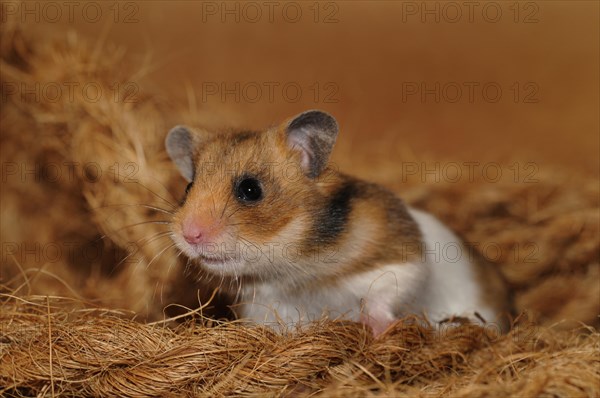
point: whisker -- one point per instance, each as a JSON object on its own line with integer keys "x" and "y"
{"x": 125, "y": 258}
{"x": 157, "y": 195}
{"x": 159, "y": 254}
{"x": 212, "y": 196}
{"x": 239, "y": 290}
{"x": 225, "y": 207}
{"x": 154, "y": 237}
{"x": 140, "y": 243}
{"x": 170, "y": 212}
{"x": 235, "y": 211}
{"x": 159, "y": 222}
{"x": 285, "y": 271}
{"x": 258, "y": 226}
{"x": 175, "y": 260}
{"x": 164, "y": 187}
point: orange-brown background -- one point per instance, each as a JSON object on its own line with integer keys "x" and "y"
{"x": 368, "y": 51}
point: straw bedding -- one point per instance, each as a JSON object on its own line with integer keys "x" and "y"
{"x": 93, "y": 320}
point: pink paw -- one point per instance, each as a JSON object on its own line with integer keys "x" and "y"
{"x": 378, "y": 319}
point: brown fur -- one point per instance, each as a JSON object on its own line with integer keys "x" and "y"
{"x": 222, "y": 159}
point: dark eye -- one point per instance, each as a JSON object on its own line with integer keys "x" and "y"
{"x": 189, "y": 186}
{"x": 249, "y": 190}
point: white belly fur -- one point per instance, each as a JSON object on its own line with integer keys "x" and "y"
{"x": 442, "y": 284}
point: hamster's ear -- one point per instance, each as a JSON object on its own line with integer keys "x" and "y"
{"x": 180, "y": 147}
{"x": 313, "y": 134}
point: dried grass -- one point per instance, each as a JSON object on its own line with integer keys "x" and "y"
{"x": 48, "y": 344}
{"x": 78, "y": 346}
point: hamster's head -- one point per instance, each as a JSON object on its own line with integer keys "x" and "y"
{"x": 252, "y": 196}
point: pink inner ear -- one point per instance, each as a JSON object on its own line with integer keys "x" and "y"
{"x": 297, "y": 143}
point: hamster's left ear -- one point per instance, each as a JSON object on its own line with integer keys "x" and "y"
{"x": 180, "y": 147}
{"x": 313, "y": 134}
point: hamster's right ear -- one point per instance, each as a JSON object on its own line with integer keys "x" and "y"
{"x": 180, "y": 147}
{"x": 313, "y": 134}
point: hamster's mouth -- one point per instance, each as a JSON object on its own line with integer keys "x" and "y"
{"x": 205, "y": 255}
{"x": 212, "y": 260}
{"x": 227, "y": 262}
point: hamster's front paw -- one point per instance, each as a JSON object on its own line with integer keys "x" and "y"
{"x": 378, "y": 316}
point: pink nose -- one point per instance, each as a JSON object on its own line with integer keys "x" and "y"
{"x": 193, "y": 233}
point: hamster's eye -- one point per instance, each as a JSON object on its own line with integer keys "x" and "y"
{"x": 249, "y": 190}
{"x": 189, "y": 186}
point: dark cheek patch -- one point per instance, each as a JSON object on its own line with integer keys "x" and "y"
{"x": 332, "y": 221}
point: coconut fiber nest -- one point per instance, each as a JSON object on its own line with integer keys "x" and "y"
{"x": 95, "y": 303}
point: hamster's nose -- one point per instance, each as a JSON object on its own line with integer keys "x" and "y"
{"x": 192, "y": 232}
{"x": 197, "y": 229}
{"x": 192, "y": 237}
